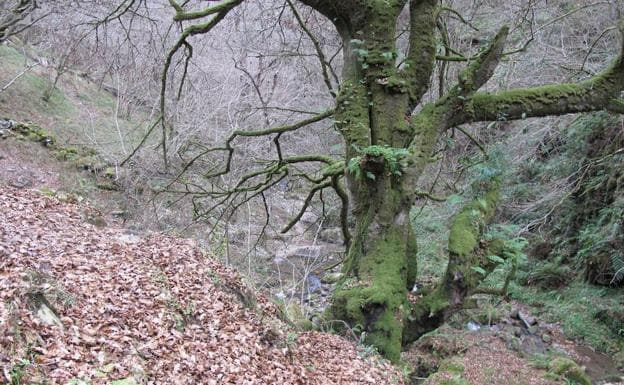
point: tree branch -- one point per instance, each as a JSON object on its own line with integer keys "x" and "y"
{"x": 220, "y": 11}
{"x": 182, "y": 15}
{"x": 287, "y": 128}
{"x": 482, "y": 68}
{"x": 418, "y": 66}
{"x": 305, "y": 206}
{"x": 599, "y": 92}
{"x": 317, "y": 47}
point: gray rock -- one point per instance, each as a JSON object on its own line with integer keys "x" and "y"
{"x": 6, "y": 124}
{"x": 531, "y": 344}
{"x": 527, "y": 319}
{"x": 314, "y": 283}
{"x": 299, "y": 251}
{"x": 129, "y": 238}
{"x": 47, "y": 316}
{"x": 331, "y": 277}
{"x": 21, "y": 182}
{"x": 473, "y": 326}
{"x": 333, "y": 235}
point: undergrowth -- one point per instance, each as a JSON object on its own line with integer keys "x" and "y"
{"x": 576, "y": 307}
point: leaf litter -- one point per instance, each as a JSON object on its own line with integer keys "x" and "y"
{"x": 152, "y": 310}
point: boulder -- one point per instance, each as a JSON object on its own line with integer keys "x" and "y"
{"x": 332, "y": 235}
{"x": 300, "y": 251}
{"x": 6, "y": 124}
{"x": 527, "y": 319}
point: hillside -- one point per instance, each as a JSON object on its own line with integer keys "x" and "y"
{"x": 89, "y": 305}
{"x": 273, "y": 221}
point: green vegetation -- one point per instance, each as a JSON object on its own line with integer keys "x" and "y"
{"x": 393, "y": 159}
{"x": 584, "y": 223}
{"x": 449, "y": 373}
{"x": 561, "y": 368}
{"x": 389, "y": 144}
{"x": 17, "y": 372}
{"x": 576, "y": 308}
{"x": 84, "y": 116}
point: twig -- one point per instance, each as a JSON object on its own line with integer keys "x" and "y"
{"x": 10, "y": 83}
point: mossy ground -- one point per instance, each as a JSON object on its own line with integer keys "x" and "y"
{"x": 576, "y": 308}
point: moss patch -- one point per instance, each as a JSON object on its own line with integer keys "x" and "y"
{"x": 564, "y": 368}
{"x": 375, "y": 303}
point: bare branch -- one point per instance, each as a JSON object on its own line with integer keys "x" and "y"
{"x": 287, "y": 128}
{"x": 317, "y": 46}
{"x": 305, "y": 206}
{"x": 182, "y": 15}
{"x": 219, "y": 12}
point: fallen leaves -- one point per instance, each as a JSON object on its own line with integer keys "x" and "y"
{"x": 151, "y": 310}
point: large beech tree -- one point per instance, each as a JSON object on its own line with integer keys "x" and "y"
{"x": 389, "y": 137}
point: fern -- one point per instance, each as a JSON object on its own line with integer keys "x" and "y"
{"x": 617, "y": 264}
{"x": 394, "y": 159}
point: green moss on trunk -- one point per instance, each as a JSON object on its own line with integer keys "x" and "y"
{"x": 466, "y": 267}
{"x": 374, "y": 301}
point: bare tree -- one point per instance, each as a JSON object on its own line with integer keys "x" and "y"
{"x": 15, "y": 17}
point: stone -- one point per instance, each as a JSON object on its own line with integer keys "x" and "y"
{"x": 546, "y": 338}
{"x": 44, "y": 310}
{"x": 21, "y": 182}
{"x": 4, "y": 133}
{"x": 129, "y": 238}
{"x": 333, "y": 235}
{"x": 6, "y": 124}
{"x": 531, "y": 344}
{"x": 332, "y": 277}
{"x": 313, "y": 283}
{"x": 299, "y": 251}
{"x": 527, "y": 319}
{"x": 47, "y": 316}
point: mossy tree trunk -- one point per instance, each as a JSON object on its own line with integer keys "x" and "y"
{"x": 371, "y": 111}
{"x": 374, "y": 108}
{"x": 375, "y": 111}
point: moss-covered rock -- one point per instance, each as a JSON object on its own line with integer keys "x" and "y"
{"x": 34, "y": 133}
{"x": 66, "y": 153}
{"x": 449, "y": 373}
{"x": 564, "y": 368}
